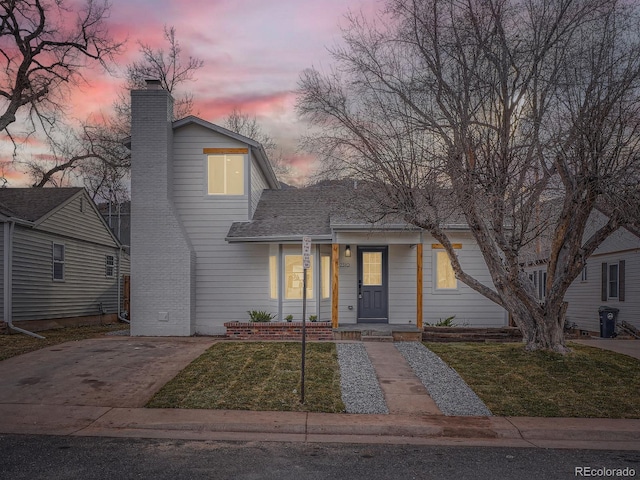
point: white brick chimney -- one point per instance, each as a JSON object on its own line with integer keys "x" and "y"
{"x": 162, "y": 258}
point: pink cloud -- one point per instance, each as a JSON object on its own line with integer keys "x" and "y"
{"x": 253, "y": 52}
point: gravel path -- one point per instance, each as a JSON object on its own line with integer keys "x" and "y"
{"x": 450, "y": 392}
{"x": 361, "y": 392}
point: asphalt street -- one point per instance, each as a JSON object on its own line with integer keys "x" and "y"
{"x": 53, "y": 457}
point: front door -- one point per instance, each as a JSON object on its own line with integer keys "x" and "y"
{"x": 372, "y": 285}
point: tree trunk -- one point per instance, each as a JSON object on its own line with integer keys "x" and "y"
{"x": 542, "y": 329}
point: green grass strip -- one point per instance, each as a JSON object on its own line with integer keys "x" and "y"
{"x": 256, "y": 376}
{"x": 588, "y": 382}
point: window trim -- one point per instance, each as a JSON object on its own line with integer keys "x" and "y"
{"x": 55, "y": 262}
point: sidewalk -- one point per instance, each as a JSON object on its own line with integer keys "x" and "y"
{"x": 226, "y": 425}
{"x": 96, "y": 388}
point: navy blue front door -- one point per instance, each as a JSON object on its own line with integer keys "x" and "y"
{"x": 372, "y": 285}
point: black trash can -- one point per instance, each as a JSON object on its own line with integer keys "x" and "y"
{"x": 608, "y": 319}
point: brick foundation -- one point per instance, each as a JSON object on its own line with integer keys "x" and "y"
{"x": 278, "y": 331}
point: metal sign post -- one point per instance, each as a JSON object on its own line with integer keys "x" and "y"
{"x": 306, "y": 264}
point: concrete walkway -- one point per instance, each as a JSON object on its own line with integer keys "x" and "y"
{"x": 626, "y": 347}
{"x": 403, "y": 391}
{"x": 96, "y": 387}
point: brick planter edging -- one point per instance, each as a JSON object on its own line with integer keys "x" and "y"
{"x": 278, "y": 330}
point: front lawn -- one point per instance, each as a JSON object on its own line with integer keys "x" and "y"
{"x": 589, "y": 382}
{"x": 19, "y": 343}
{"x": 256, "y": 376}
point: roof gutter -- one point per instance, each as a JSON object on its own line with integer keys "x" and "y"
{"x": 8, "y": 279}
{"x": 278, "y": 239}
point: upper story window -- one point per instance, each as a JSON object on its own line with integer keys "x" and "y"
{"x": 225, "y": 174}
{"x": 58, "y": 261}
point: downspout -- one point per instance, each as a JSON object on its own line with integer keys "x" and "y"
{"x": 120, "y": 317}
{"x": 8, "y": 280}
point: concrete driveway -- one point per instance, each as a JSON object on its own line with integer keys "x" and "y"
{"x": 108, "y": 372}
{"x": 626, "y": 347}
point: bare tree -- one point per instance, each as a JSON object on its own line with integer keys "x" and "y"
{"x": 169, "y": 67}
{"x": 96, "y": 155}
{"x": 487, "y": 110}
{"x": 244, "y": 124}
{"x": 44, "y": 45}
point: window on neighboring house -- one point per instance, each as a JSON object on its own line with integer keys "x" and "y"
{"x": 583, "y": 274}
{"x": 325, "y": 272}
{"x": 613, "y": 281}
{"x": 293, "y": 277}
{"x": 273, "y": 276}
{"x": 445, "y": 278}
{"x": 58, "y": 261}
{"x": 225, "y": 174}
{"x": 109, "y": 266}
{"x": 542, "y": 284}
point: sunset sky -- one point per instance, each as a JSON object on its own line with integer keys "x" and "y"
{"x": 253, "y": 53}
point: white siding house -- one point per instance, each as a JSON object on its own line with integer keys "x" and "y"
{"x": 610, "y": 278}
{"x": 214, "y": 236}
{"x": 60, "y": 263}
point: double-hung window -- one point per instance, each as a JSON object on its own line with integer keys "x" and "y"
{"x": 58, "y": 256}
{"x": 109, "y": 266}
{"x": 225, "y": 174}
{"x": 613, "y": 281}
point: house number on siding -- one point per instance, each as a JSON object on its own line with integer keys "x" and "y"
{"x": 345, "y": 265}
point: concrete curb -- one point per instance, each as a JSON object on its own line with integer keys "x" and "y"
{"x": 227, "y": 425}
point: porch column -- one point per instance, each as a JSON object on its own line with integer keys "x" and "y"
{"x": 335, "y": 267}
{"x": 419, "y": 280}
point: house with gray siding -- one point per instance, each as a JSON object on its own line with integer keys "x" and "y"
{"x": 610, "y": 278}
{"x": 60, "y": 263}
{"x": 213, "y": 236}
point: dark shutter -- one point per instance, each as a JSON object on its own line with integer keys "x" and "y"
{"x": 604, "y": 283}
{"x": 621, "y": 280}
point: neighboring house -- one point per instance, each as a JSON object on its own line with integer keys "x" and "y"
{"x": 118, "y": 217}
{"x": 60, "y": 263}
{"x": 214, "y": 235}
{"x": 610, "y": 278}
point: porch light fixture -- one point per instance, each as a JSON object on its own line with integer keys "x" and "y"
{"x": 347, "y": 251}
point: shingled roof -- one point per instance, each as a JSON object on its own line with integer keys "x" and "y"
{"x": 315, "y": 211}
{"x": 291, "y": 213}
{"x": 31, "y": 204}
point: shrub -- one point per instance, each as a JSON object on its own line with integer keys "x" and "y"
{"x": 313, "y": 318}
{"x": 260, "y": 316}
{"x": 447, "y": 322}
{"x": 289, "y": 318}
